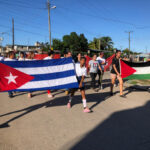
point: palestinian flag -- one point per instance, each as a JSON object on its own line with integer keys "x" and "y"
{"x": 132, "y": 70}
{"x": 108, "y": 62}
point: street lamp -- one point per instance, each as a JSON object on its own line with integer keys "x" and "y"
{"x": 53, "y": 7}
{"x": 49, "y": 21}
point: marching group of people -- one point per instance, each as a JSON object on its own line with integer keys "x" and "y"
{"x": 95, "y": 67}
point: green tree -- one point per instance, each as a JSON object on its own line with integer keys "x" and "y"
{"x": 83, "y": 43}
{"x": 103, "y": 43}
{"x": 127, "y": 51}
{"x": 57, "y": 44}
{"x": 94, "y": 44}
{"x": 45, "y": 46}
{"x": 75, "y": 42}
{"x": 106, "y": 43}
{"x": 66, "y": 41}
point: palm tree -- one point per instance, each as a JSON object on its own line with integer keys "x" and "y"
{"x": 94, "y": 44}
{"x": 106, "y": 43}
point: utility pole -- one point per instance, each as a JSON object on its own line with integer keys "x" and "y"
{"x": 99, "y": 44}
{"x": 129, "y": 32}
{"x": 49, "y": 21}
{"x": 146, "y": 50}
{"x": 1, "y": 46}
{"x": 13, "y": 36}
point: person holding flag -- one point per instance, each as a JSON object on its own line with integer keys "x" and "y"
{"x": 115, "y": 73}
{"x": 50, "y": 56}
{"x": 68, "y": 55}
{"x": 30, "y": 57}
{"x": 11, "y": 57}
{"x": 22, "y": 57}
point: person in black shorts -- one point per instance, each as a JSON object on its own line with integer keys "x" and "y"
{"x": 115, "y": 73}
{"x": 81, "y": 73}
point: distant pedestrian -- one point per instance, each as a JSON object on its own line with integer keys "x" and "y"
{"x": 22, "y": 56}
{"x": 78, "y": 58}
{"x": 68, "y": 55}
{"x": 30, "y": 57}
{"x": 94, "y": 66}
{"x": 11, "y": 57}
{"x": 49, "y": 57}
{"x": 102, "y": 63}
{"x": 1, "y": 57}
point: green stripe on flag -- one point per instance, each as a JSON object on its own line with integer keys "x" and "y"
{"x": 139, "y": 77}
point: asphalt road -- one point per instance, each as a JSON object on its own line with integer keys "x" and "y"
{"x": 41, "y": 123}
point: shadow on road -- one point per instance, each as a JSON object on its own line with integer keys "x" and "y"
{"x": 123, "y": 130}
{"x": 60, "y": 101}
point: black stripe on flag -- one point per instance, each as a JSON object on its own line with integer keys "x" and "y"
{"x": 139, "y": 64}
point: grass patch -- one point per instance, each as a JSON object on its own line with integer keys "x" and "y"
{"x": 139, "y": 82}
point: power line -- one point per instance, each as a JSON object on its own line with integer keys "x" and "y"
{"x": 18, "y": 29}
{"x": 104, "y": 18}
{"x": 20, "y": 5}
{"x": 25, "y": 21}
{"x": 20, "y": 13}
{"x": 99, "y": 17}
{"x": 72, "y": 22}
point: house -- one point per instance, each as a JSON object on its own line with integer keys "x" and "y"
{"x": 24, "y": 48}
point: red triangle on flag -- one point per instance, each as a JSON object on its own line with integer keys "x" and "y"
{"x": 126, "y": 70}
{"x": 11, "y": 79}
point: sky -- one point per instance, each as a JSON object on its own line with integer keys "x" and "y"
{"x": 94, "y": 18}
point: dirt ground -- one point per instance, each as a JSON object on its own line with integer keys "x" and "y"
{"x": 41, "y": 123}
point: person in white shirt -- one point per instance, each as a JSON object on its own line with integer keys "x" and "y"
{"x": 68, "y": 55}
{"x": 22, "y": 56}
{"x": 11, "y": 57}
{"x": 81, "y": 74}
{"x": 102, "y": 63}
{"x": 50, "y": 56}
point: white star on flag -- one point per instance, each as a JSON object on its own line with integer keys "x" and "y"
{"x": 11, "y": 78}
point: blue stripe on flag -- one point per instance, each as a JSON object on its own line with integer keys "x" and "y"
{"x": 37, "y": 63}
{"x": 65, "y": 86}
{"x": 51, "y": 76}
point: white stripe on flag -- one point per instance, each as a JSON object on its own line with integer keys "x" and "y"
{"x": 49, "y": 83}
{"x": 142, "y": 70}
{"x": 45, "y": 70}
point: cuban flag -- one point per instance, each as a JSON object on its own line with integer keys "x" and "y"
{"x": 37, "y": 75}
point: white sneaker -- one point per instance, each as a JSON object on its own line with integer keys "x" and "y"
{"x": 50, "y": 96}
